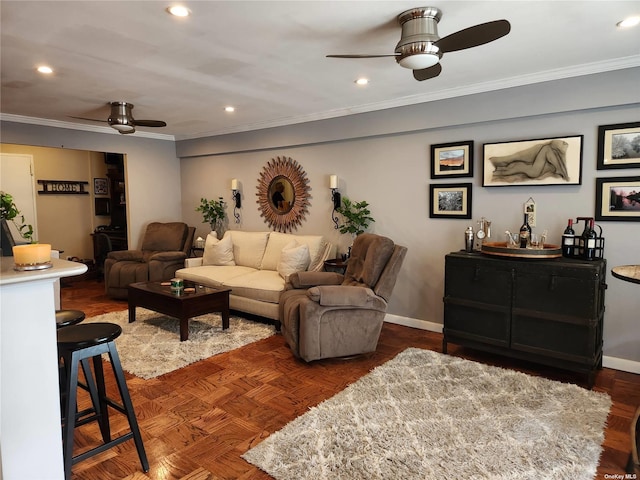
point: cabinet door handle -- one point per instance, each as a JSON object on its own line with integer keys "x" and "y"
{"x": 476, "y": 274}
{"x": 552, "y": 283}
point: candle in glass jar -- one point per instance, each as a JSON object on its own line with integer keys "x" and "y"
{"x": 32, "y": 254}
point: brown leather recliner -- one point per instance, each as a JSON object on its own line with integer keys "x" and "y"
{"x": 164, "y": 249}
{"x": 327, "y": 314}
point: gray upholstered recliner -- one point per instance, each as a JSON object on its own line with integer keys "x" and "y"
{"x": 327, "y": 314}
{"x": 164, "y": 249}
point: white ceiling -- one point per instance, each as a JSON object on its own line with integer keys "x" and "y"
{"x": 267, "y": 58}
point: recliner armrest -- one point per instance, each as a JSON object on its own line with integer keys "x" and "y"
{"x": 129, "y": 255}
{"x": 313, "y": 279}
{"x": 342, "y": 296}
{"x": 168, "y": 256}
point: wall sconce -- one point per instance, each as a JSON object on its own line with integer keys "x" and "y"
{"x": 237, "y": 200}
{"x": 335, "y": 198}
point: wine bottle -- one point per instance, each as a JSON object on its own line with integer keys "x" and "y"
{"x": 590, "y": 242}
{"x": 583, "y": 236}
{"x": 568, "y": 240}
{"x": 525, "y": 232}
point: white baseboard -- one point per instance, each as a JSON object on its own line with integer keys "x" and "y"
{"x": 621, "y": 364}
{"x": 414, "y": 323}
{"x": 615, "y": 363}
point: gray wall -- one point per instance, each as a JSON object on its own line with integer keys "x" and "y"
{"x": 384, "y": 158}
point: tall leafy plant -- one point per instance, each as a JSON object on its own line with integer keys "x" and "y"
{"x": 357, "y": 216}
{"x": 9, "y": 212}
{"x": 213, "y": 213}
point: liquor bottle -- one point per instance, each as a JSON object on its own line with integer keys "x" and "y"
{"x": 590, "y": 242}
{"x": 525, "y": 232}
{"x": 568, "y": 240}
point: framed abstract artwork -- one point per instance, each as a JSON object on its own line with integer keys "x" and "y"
{"x": 619, "y": 146}
{"x": 452, "y": 160}
{"x": 450, "y": 200}
{"x": 618, "y": 198}
{"x": 544, "y": 161}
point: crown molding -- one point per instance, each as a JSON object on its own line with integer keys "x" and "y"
{"x": 517, "y": 81}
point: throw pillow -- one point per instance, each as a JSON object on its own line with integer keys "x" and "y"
{"x": 218, "y": 252}
{"x": 294, "y": 258}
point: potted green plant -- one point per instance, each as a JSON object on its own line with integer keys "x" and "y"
{"x": 9, "y": 212}
{"x": 213, "y": 213}
{"x": 356, "y": 216}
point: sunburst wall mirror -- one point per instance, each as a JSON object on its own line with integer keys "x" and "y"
{"x": 283, "y": 194}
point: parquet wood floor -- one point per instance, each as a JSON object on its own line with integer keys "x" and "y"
{"x": 197, "y": 421}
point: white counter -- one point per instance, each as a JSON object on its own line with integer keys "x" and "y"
{"x": 30, "y": 434}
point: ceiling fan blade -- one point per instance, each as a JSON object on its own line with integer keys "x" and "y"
{"x": 149, "y": 123}
{"x": 474, "y": 36}
{"x": 362, "y": 56}
{"x": 90, "y": 119}
{"x": 427, "y": 73}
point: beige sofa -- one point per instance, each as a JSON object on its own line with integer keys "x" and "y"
{"x": 256, "y": 265}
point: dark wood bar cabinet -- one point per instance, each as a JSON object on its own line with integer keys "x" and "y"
{"x": 547, "y": 311}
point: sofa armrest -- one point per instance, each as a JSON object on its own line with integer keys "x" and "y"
{"x": 342, "y": 296}
{"x": 313, "y": 279}
{"x": 129, "y": 255}
{"x": 168, "y": 256}
{"x": 193, "y": 262}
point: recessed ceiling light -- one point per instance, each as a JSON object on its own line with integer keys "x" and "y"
{"x": 362, "y": 81}
{"x": 229, "y": 109}
{"x": 45, "y": 69}
{"x": 628, "y": 22}
{"x": 179, "y": 11}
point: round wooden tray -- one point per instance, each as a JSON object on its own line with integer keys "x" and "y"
{"x": 500, "y": 249}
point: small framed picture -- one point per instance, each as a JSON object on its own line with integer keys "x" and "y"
{"x": 619, "y": 146}
{"x": 452, "y": 160}
{"x": 100, "y": 186}
{"x": 618, "y": 199}
{"x": 544, "y": 161}
{"x": 450, "y": 200}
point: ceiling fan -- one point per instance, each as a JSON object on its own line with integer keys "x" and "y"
{"x": 420, "y": 48}
{"x": 122, "y": 119}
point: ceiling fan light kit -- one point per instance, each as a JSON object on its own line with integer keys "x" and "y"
{"x": 416, "y": 49}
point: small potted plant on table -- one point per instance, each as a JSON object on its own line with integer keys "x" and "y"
{"x": 357, "y": 218}
{"x": 213, "y": 213}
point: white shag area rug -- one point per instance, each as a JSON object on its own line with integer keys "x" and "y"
{"x": 151, "y": 345}
{"x": 426, "y": 415}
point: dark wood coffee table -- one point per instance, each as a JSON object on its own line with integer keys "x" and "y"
{"x": 183, "y": 306}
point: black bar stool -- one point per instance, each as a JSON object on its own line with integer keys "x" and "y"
{"x": 65, "y": 318}
{"x": 89, "y": 341}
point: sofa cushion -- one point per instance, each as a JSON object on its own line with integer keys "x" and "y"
{"x": 261, "y": 285}
{"x": 318, "y": 249}
{"x": 293, "y": 258}
{"x": 213, "y": 275}
{"x": 248, "y": 247}
{"x": 218, "y": 252}
{"x": 165, "y": 236}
